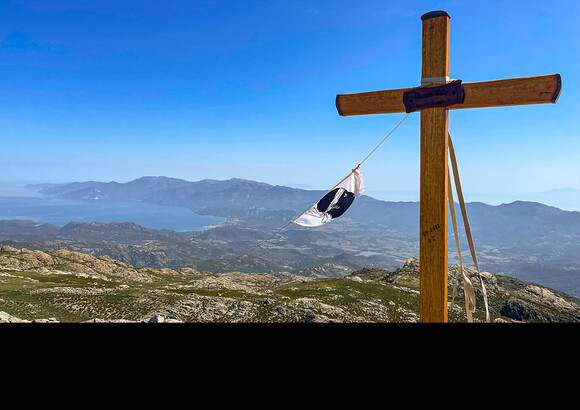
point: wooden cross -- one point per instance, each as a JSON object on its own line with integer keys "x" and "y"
{"x": 434, "y": 104}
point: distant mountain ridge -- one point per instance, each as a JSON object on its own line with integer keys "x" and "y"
{"x": 528, "y": 240}
{"x": 177, "y": 192}
{"x": 513, "y": 221}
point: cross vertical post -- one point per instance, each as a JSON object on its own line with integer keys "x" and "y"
{"x": 434, "y": 174}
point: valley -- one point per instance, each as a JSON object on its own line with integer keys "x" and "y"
{"x": 526, "y": 240}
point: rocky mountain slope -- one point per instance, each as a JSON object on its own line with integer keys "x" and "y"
{"x": 65, "y": 286}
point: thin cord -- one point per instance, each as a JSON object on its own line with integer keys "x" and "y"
{"x": 357, "y": 167}
{"x": 266, "y": 240}
{"x": 384, "y": 139}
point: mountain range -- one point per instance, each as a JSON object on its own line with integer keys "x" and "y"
{"x": 527, "y": 240}
{"x": 514, "y": 222}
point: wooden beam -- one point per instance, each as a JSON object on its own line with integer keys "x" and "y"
{"x": 372, "y": 102}
{"x": 514, "y": 91}
{"x": 497, "y": 93}
{"x": 434, "y": 177}
{"x": 433, "y": 215}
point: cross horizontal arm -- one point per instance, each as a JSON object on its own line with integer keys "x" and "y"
{"x": 512, "y": 91}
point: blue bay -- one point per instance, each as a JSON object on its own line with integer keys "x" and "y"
{"x": 60, "y": 212}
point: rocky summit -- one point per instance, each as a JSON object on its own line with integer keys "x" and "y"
{"x": 65, "y": 286}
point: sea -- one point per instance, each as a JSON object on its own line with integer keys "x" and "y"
{"x": 59, "y": 211}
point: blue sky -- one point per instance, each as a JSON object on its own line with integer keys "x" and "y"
{"x": 115, "y": 90}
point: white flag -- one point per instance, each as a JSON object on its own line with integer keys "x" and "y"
{"x": 334, "y": 203}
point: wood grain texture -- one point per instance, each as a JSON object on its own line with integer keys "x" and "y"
{"x": 373, "y": 102}
{"x": 433, "y": 215}
{"x": 435, "y": 49}
{"x": 511, "y": 91}
{"x": 434, "y": 179}
{"x": 497, "y": 93}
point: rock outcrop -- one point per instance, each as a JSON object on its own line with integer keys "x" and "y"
{"x": 64, "y": 286}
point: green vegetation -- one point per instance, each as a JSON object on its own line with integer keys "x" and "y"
{"x": 74, "y": 287}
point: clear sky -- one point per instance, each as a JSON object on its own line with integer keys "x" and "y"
{"x": 114, "y": 90}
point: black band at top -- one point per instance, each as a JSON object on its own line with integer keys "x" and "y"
{"x": 337, "y": 106}
{"x": 437, "y": 13}
{"x": 558, "y": 88}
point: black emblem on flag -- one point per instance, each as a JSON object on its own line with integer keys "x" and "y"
{"x": 336, "y": 202}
